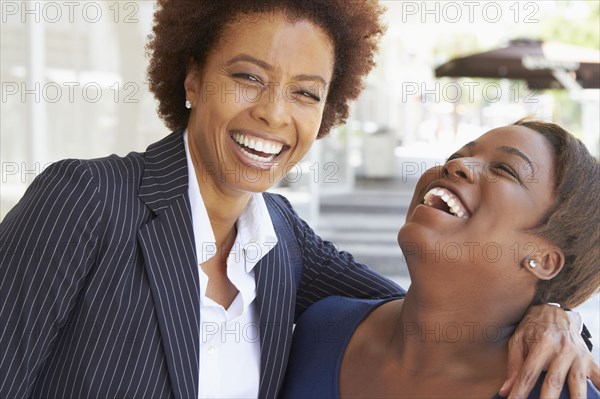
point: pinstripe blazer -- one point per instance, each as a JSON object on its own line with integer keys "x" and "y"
{"x": 99, "y": 284}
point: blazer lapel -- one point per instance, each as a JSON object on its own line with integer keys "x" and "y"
{"x": 168, "y": 247}
{"x": 275, "y": 296}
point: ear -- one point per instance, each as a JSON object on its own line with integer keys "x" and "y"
{"x": 192, "y": 83}
{"x": 548, "y": 263}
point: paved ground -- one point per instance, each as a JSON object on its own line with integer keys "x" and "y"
{"x": 366, "y": 222}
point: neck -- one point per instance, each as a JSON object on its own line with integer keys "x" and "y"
{"x": 223, "y": 205}
{"x": 223, "y": 212}
{"x": 433, "y": 332}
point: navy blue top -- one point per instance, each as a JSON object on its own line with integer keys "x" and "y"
{"x": 320, "y": 340}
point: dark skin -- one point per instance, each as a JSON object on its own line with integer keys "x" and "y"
{"x": 220, "y": 289}
{"x": 396, "y": 352}
{"x": 370, "y": 367}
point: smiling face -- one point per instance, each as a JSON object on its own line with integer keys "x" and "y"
{"x": 477, "y": 209}
{"x": 499, "y": 184}
{"x": 258, "y": 102}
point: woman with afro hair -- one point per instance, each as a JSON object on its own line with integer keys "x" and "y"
{"x": 172, "y": 273}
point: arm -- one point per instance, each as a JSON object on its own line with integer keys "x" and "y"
{"x": 47, "y": 243}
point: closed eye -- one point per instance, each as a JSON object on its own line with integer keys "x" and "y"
{"x": 505, "y": 168}
{"x": 310, "y": 95}
{"x": 247, "y": 76}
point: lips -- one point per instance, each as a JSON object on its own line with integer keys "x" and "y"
{"x": 256, "y": 148}
{"x": 445, "y": 200}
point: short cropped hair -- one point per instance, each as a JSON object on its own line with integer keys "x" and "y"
{"x": 185, "y": 30}
{"x": 573, "y": 222}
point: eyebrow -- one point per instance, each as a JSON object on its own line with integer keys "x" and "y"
{"x": 269, "y": 67}
{"x": 509, "y": 150}
{"x": 514, "y": 151}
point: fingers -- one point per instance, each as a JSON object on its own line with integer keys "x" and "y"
{"x": 532, "y": 367}
{"x": 516, "y": 355}
{"x": 556, "y": 376}
{"x": 578, "y": 379}
{"x": 568, "y": 362}
{"x": 545, "y": 338}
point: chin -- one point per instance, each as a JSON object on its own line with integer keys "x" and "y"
{"x": 254, "y": 187}
{"x": 407, "y": 239}
{"x": 255, "y": 180}
{"x": 414, "y": 233}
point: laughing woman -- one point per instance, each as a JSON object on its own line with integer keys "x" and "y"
{"x": 168, "y": 273}
{"x": 529, "y": 192}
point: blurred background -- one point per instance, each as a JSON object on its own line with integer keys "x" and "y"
{"x": 73, "y": 86}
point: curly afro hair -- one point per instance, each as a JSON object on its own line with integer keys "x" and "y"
{"x": 187, "y": 30}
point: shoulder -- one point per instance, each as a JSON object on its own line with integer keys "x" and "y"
{"x": 61, "y": 185}
{"x": 118, "y": 168}
{"x": 107, "y": 179}
{"x": 95, "y": 171}
{"x": 284, "y": 217}
{"x": 116, "y": 171}
{"x": 77, "y": 190}
{"x": 278, "y": 203}
{"x": 339, "y": 308}
{"x": 320, "y": 340}
{"x": 334, "y": 319}
{"x": 68, "y": 189}
{"x": 286, "y": 220}
{"x": 329, "y": 323}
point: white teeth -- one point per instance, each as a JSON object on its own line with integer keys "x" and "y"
{"x": 268, "y": 147}
{"x": 454, "y": 204}
{"x": 256, "y": 157}
{"x": 272, "y": 148}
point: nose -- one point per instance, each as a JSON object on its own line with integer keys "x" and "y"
{"x": 272, "y": 108}
{"x": 461, "y": 168}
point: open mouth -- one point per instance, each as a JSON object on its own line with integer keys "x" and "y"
{"x": 446, "y": 201}
{"x": 257, "y": 149}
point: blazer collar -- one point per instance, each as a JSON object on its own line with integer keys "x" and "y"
{"x": 165, "y": 175}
